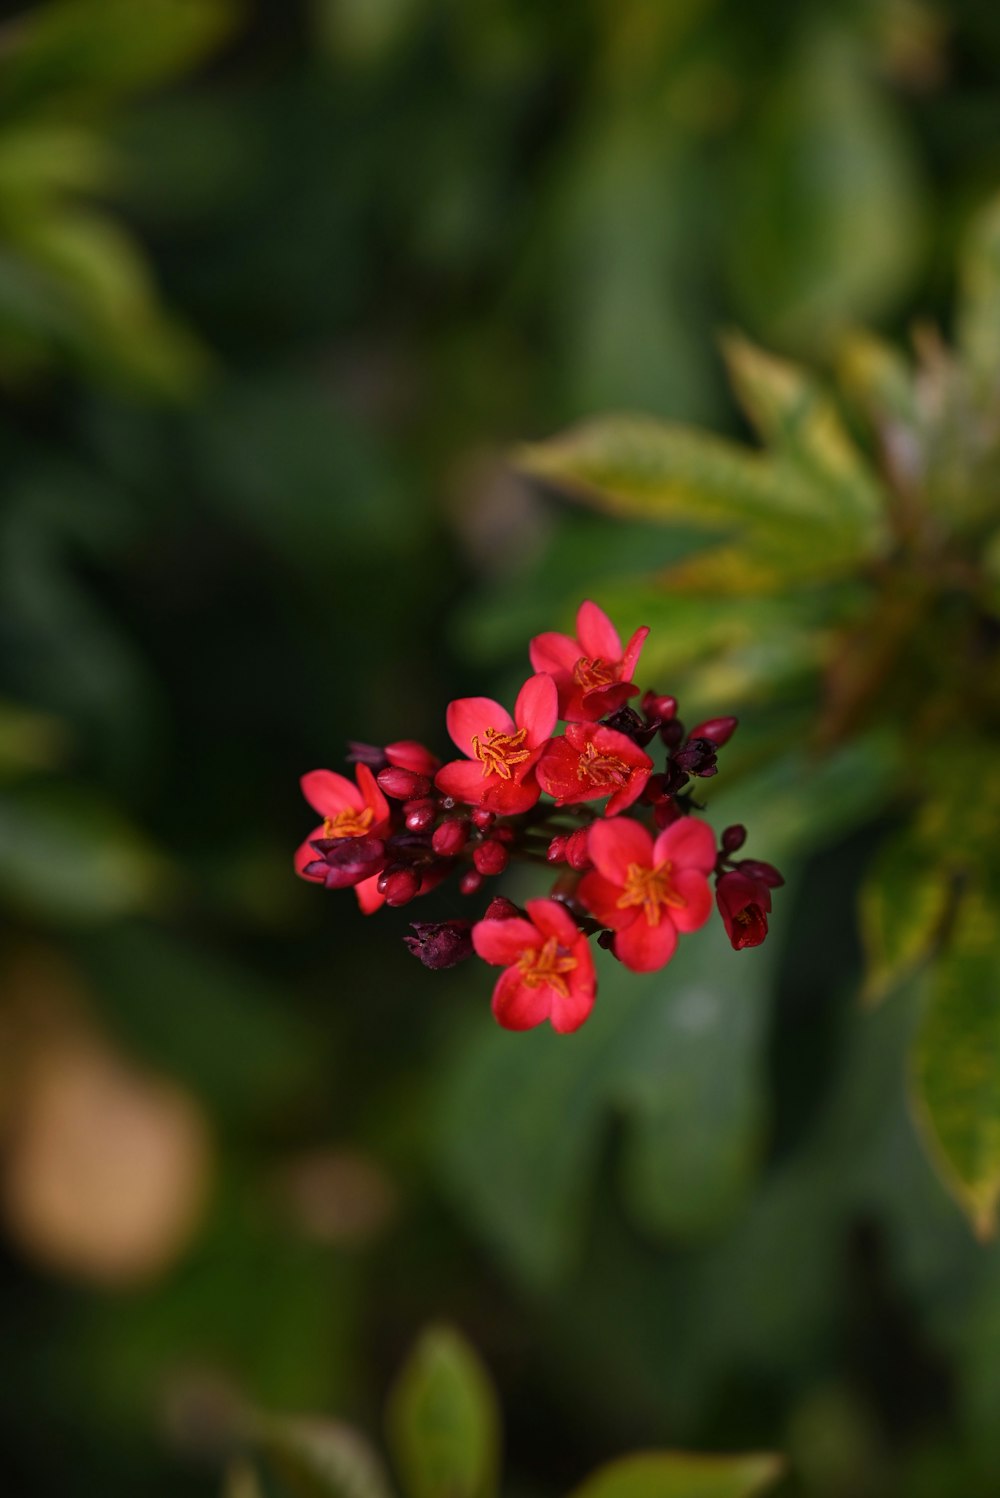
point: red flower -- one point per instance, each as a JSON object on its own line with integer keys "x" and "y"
{"x": 647, "y": 892}
{"x": 347, "y": 810}
{"x": 589, "y": 761}
{"x": 549, "y": 970}
{"x": 499, "y": 773}
{"x": 407, "y": 754}
{"x": 593, "y": 673}
{"x": 743, "y": 903}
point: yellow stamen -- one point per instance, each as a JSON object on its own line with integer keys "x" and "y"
{"x": 547, "y": 964}
{"x": 501, "y": 752}
{"x": 593, "y": 673}
{"x": 650, "y": 888}
{"x": 602, "y": 769}
{"x": 348, "y": 823}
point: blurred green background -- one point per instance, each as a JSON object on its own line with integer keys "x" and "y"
{"x": 280, "y": 286}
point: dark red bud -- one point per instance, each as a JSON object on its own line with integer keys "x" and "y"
{"x": 733, "y": 838}
{"x": 765, "y": 872}
{"x": 418, "y": 815}
{"x": 399, "y": 884}
{"x": 470, "y": 882}
{"x": 500, "y": 909}
{"x": 450, "y": 838}
{"x": 482, "y": 818}
{"x": 606, "y": 939}
{"x": 672, "y": 732}
{"x": 491, "y": 857}
{"x": 407, "y": 754}
{"x": 656, "y": 789}
{"x": 697, "y": 757}
{"x": 665, "y": 812}
{"x": 719, "y": 730}
{"x": 659, "y": 709}
{"x": 743, "y": 904}
{"x": 348, "y": 860}
{"x": 576, "y": 850}
{"x": 556, "y": 851}
{"x": 504, "y": 833}
{"x": 440, "y": 944}
{"x": 403, "y": 785}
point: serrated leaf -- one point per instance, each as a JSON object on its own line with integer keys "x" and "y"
{"x": 678, "y": 1474}
{"x": 320, "y": 1458}
{"x": 978, "y": 319}
{"x": 444, "y": 1421}
{"x": 904, "y": 901}
{"x": 956, "y": 1062}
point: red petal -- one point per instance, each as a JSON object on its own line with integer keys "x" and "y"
{"x": 508, "y": 798}
{"x": 408, "y": 754}
{"x": 598, "y": 702}
{"x": 692, "y": 884}
{"x": 643, "y": 947}
{"x": 614, "y": 845}
{"x": 502, "y": 942}
{"x": 596, "y": 633}
{"x": 553, "y": 919}
{"x": 373, "y": 797}
{"x": 629, "y": 792}
{"x": 327, "y": 793}
{"x": 633, "y": 650}
{"x": 518, "y": 1007}
{"x": 557, "y": 773}
{"x": 468, "y": 717}
{"x": 306, "y": 853}
{"x": 537, "y": 708}
{"x": 688, "y": 843}
{"x": 557, "y": 654}
{"x": 569, "y": 1014}
{"x": 463, "y": 779}
{"x": 601, "y": 897}
{"x": 368, "y": 896}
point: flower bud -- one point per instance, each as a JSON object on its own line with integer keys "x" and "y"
{"x": 666, "y": 812}
{"x": 577, "y": 855}
{"x": 765, "y": 872}
{"x": 470, "y": 882}
{"x": 659, "y": 709}
{"x": 482, "y": 818}
{"x": 500, "y": 909}
{"x": 697, "y": 757}
{"x": 418, "y": 815}
{"x": 672, "y": 732}
{"x": 627, "y": 721}
{"x": 656, "y": 789}
{"x": 450, "y": 838}
{"x": 365, "y": 754}
{"x": 403, "y": 785}
{"x": 440, "y": 944}
{"x": 556, "y": 851}
{"x": 407, "y": 754}
{"x": 718, "y": 730}
{"x": 348, "y": 860}
{"x": 504, "y": 833}
{"x": 743, "y": 904}
{"x": 606, "y": 939}
{"x": 733, "y": 838}
{"x": 490, "y": 857}
{"x": 399, "y": 884}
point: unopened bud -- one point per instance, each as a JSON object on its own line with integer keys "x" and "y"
{"x": 490, "y": 857}
{"x": 399, "y": 884}
{"x": 503, "y": 833}
{"x": 500, "y": 909}
{"x": 403, "y": 785}
{"x": 606, "y": 939}
{"x": 348, "y": 860}
{"x": 577, "y": 855}
{"x": 718, "y": 730}
{"x": 697, "y": 757}
{"x": 440, "y": 944}
{"x": 765, "y": 872}
{"x": 627, "y": 721}
{"x": 656, "y": 789}
{"x": 672, "y": 732}
{"x": 666, "y": 812}
{"x": 407, "y": 754}
{"x": 556, "y": 851}
{"x": 733, "y": 838}
{"x": 450, "y": 838}
{"x": 418, "y": 815}
{"x": 470, "y": 882}
{"x": 482, "y": 818}
{"x": 659, "y": 709}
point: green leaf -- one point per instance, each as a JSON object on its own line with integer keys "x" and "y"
{"x": 443, "y": 1420}
{"x": 957, "y": 1062}
{"x": 904, "y": 902}
{"x": 320, "y": 1458}
{"x": 676, "y": 1474}
{"x": 978, "y": 319}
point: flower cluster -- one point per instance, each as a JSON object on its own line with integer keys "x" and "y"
{"x": 633, "y": 861}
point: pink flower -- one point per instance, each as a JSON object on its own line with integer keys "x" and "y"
{"x": 549, "y": 972}
{"x": 408, "y": 754}
{"x": 589, "y": 761}
{"x": 592, "y": 673}
{"x": 499, "y": 773}
{"x": 647, "y": 892}
{"x": 744, "y": 903}
{"x": 347, "y": 810}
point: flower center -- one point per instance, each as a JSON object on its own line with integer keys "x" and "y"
{"x": 547, "y": 964}
{"x": 650, "y": 888}
{"x": 348, "y": 823}
{"x": 602, "y": 769}
{"x": 500, "y": 752}
{"x": 591, "y": 674}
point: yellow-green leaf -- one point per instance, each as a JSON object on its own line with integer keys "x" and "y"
{"x": 978, "y": 321}
{"x": 443, "y": 1420}
{"x": 320, "y": 1458}
{"x": 678, "y": 1474}
{"x": 957, "y": 1062}
{"x": 904, "y": 903}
